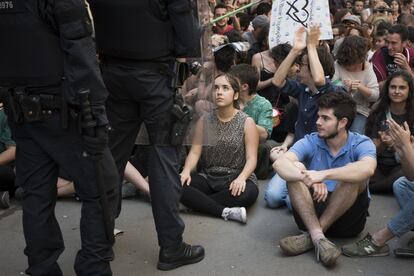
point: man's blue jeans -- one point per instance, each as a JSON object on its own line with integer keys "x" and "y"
{"x": 276, "y": 194}
{"x": 403, "y": 221}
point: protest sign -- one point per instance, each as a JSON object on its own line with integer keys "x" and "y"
{"x": 289, "y": 15}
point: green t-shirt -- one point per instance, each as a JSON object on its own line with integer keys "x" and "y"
{"x": 260, "y": 110}
{"x": 5, "y": 133}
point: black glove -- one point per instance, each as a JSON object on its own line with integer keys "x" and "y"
{"x": 99, "y": 114}
{"x": 95, "y": 145}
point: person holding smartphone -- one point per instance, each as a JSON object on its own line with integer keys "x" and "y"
{"x": 395, "y": 103}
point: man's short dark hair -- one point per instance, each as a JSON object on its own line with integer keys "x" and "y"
{"x": 244, "y": 21}
{"x": 247, "y": 74}
{"x": 263, "y": 8}
{"x": 399, "y": 29}
{"x": 342, "y": 104}
{"x": 219, "y": 6}
{"x": 225, "y": 58}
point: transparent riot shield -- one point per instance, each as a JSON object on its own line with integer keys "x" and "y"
{"x": 195, "y": 86}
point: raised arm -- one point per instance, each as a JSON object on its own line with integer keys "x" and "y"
{"x": 404, "y": 147}
{"x": 299, "y": 43}
{"x": 315, "y": 65}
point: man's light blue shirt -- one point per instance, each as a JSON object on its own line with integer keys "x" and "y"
{"x": 314, "y": 153}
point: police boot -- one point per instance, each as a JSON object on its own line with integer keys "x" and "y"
{"x": 183, "y": 254}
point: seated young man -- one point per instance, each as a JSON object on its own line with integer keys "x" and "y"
{"x": 310, "y": 84}
{"x": 403, "y": 221}
{"x": 260, "y": 110}
{"x": 327, "y": 174}
{"x": 254, "y": 105}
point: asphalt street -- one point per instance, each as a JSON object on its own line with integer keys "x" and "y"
{"x": 231, "y": 248}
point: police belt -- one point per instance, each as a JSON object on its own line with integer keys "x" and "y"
{"x": 25, "y": 105}
{"x": 163, "y": 66}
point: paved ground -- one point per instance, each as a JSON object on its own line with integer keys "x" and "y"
{"x": 231, "y": 248}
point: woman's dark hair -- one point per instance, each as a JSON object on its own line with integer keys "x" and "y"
{"x": 384, "y": 102}
{"x": 263, "y": 34}
{"x": 235, "y": 85}
{"x": 353, "y": 50}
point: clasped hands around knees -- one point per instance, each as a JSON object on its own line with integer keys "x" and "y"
{"x": 314, "y": 181}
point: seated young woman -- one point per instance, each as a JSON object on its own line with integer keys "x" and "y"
{"x": 225, "y": 183}
{"x": 395, "y": 103}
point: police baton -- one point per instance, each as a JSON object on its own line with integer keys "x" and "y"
{"x": 89, "y": 129}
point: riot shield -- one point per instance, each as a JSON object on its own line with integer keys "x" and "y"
{"x": 194, "y": 83}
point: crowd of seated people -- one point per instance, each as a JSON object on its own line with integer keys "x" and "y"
{"x": 323, "y": 123}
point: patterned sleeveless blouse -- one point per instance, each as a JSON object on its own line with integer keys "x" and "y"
{"x": 225, "y": 152}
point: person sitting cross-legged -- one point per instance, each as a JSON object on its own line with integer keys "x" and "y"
{"x": 225, "y": 142}
{"x": 327, "y": 174}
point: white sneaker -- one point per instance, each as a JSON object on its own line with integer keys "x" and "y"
{"x": 235, "y": 213}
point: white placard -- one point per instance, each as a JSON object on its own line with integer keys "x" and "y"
{"x": 289, "y": 15}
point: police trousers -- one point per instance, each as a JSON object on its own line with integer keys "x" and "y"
{"x": 139, "y": 94}
{"x": 42, "y": 148}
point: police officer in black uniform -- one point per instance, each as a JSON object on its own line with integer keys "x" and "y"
{"x": 137, "y": 43}
{"x": 48, "y": 55}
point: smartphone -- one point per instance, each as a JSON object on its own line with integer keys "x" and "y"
{"x": 384, "y": 126}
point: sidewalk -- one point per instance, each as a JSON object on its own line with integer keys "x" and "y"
{"x": 231, "y": 248}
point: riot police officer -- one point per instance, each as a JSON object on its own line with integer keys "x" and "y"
{"x": 48, "y": 56}
{"x": 137, "y": 43}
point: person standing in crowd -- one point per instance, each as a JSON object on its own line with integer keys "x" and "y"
{"x": 226, "y": 182}
{"x": 50, "y": 58}
{"x": 137, "y": 74}
{"x": 327, "y": 174}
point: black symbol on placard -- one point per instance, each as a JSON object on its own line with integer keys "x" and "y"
{"x": 297, "y": 13}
